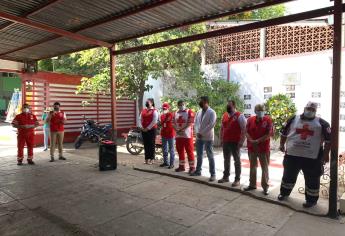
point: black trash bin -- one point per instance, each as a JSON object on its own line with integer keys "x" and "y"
{"x": 107, "y": 155}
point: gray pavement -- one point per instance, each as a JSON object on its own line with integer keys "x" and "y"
{"x": 73, "y": 198}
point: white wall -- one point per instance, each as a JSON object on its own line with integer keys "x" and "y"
{"x": 11, "y": 65}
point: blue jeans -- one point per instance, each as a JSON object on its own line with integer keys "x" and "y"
{"x": 168, "y": 147}
{"x": 46, "y": 136}
{"x": 200, "y": 144}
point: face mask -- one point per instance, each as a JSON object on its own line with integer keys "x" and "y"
{"x": 56, "y": 109}
{"x": 260, "y": 114}
{"x": 26, "y": 110}
{"x": 229, "y": 109}
{"x": 201, "y": 104}
{"x": 147, "y": 104}
{"x": 182, "y": 108}
{"x": 165, "y": 111}
{"x": 309, "y": 114}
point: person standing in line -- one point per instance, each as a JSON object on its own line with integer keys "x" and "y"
{"x": 168, "y": 136}
{"x": 205, "y": 120}
{"x": 45, "y": 128}
{"x": 306, "y": 142}
{"x": 25, "y": 122}
{"x": 56, "y": 120}
{"x": 183, "y": 124}
{"x": 148, "y": 122}
{"x": 232, "y": 135}
{"x": 259, "y": 131}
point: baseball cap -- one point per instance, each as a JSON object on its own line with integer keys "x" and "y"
{"x": 165, "y": 106}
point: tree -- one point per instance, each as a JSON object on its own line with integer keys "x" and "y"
{"x": 261, "y": 14}
{"x": 133, "y": 70}
{"x": 280, "y": 108}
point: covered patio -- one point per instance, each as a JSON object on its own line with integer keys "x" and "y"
{"x": 38, "y": 29}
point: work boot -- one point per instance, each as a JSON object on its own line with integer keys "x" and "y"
{"x": 191, "y": 170}
{"x": 223, "y": 180}
{"x": 195, "y": 173}
{"x": 309, "y": 204}
{"x": 163, "y": 165}
{"x": 52, "y": 159}
{"x": 180, "y": 169}
{"x": 266, "y": 192}
{"x": 62, "y": 158}
{"x": 236, "y": 183}
{"x": 19, "y": 163}
{"x": 281, "y": 197}
{"x": 31, "y": 162}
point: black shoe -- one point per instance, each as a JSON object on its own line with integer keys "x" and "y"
{"x": 223, "y": 180}
{"x": 163, "y": 165}
{"x": 171, "y": 167}
{"x": 52, "y": 160}
{"x": 281, "y": 197}
{"x": 309, "y": 204}
{"x": 195, "y": 173}
{"x": 31, "y": 162}
{"x": 266, "y": 192}
{"x": 19, "y": 163}
{"x": 249, "y": 188}
{"x": 62, "y": 158}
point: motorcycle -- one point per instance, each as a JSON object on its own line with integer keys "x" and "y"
{"x": 135, "y": 143}
{"x": 93, "y": 132}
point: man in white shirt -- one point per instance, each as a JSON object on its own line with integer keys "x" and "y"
{"x": 205, "y": 121}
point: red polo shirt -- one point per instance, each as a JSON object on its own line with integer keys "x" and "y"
{"x": 25, "y": 119}
{"x": 231, "y": 127}
{"x": 257, "y": 129}
{"x": 167, "y": 130}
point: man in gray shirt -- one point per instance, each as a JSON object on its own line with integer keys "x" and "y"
{"x": 205, "y": 121}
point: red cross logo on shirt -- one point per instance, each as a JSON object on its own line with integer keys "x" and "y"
{"x": 180, "y": 121}
{"x": 305, "y": 132}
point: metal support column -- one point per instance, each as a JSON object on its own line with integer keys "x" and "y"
{"x": 113, "y": 92}
{"x": 333, "y": 191}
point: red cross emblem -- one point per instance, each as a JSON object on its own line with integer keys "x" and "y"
{"x": 180, "y": 121}
{"x": 305, "y": 132}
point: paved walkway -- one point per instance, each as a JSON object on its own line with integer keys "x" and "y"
{"x": 73, "y": 198}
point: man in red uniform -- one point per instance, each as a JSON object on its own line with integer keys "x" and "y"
{"x": 183, "y": 124}
{"x": 259, "y": 129}
{"x": 56, "y": 119}
{"x": 168, "y": 136}
{"x": 232, "y": 134}
{"x": 25, "y": 122}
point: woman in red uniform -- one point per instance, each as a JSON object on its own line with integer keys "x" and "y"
{"x": 148, "y": 121}
{"x": 168, "y": 136}
{"x": 26, "y": 123}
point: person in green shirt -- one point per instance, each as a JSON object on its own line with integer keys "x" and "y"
{"x": 45, "y": 128}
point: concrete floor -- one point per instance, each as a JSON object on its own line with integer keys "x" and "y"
{"x": 73, "y": 198}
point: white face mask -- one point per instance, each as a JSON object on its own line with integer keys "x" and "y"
{"x": 260, "y": 114}
{"x": 26, "y": 110}
{"x": 182, "y": 108}
{"x": 309, "y": 114}
{"x": 165, "y": 111}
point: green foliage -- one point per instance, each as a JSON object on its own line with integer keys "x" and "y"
{"x": 133, "y": 70}
{"x": 280, "y": 108}
{"x": 261, "y": 14}
{"x": 219, "y": 92}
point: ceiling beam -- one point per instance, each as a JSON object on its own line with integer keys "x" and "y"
{"x": 113, "y": 17}
{"x": 32, "y": 12}
{"x": 232, "y": 30}
{"x": 47, "y": 28}
{"x": 207, "y": 18}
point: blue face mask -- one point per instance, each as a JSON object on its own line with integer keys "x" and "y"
{"x": 309, "y": 114}
{"x": 260, "y": 114}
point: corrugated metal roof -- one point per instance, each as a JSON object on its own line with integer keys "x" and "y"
{"x": 17, "y": 42}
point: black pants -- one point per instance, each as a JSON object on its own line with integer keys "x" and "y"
{"x": 231, "y": 149}
{"x": 149, "y": 139}
{"x": 312, "y": 170}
